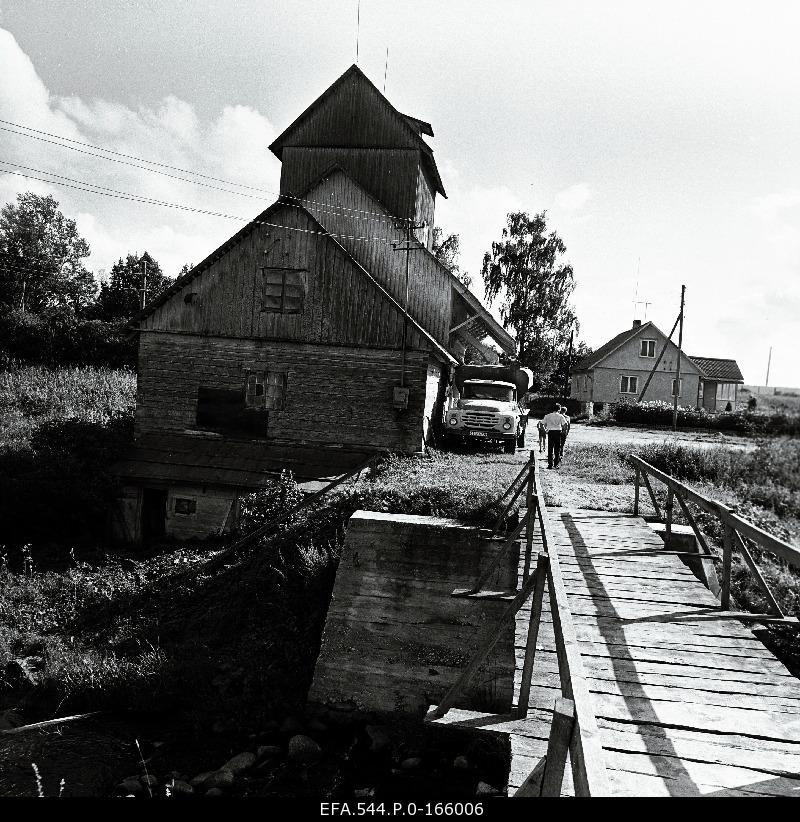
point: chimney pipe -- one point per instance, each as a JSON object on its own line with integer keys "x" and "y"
{"x": 637, "y": 323}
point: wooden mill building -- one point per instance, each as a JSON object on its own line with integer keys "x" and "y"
{"x": 285, "y": 347}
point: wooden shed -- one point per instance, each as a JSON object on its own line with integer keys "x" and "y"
{"x": 285, "y": 346}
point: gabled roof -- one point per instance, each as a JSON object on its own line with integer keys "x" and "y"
{"x": 714, "y": 368}
{"x": 591, "y": 360}
{"x": 413, "y": 127}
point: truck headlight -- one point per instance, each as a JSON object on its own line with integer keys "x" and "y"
{"x": 453, "y": 421}
{"x": 506, "y": 426}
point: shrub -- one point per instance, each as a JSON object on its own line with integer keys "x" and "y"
{"x": 60, "y": 338}
{"x": 659, "y": 413}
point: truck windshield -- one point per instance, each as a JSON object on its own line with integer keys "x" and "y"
{"x": 487, "y": 392}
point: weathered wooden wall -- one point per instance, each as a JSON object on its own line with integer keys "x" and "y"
{"x": 394, "y": 639}
{"x": 390, "y": 175}
{"x": 429, "y": 282}
{"x": 334, "y": 395}
{"x": 341, "y": 306}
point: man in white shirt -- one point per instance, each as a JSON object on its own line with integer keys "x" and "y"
{"x": 554, "y": 423}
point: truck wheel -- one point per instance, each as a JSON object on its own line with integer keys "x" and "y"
{"x": 510, "y": 446}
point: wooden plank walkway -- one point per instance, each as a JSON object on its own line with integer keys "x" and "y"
{"x": 687, "y": 704}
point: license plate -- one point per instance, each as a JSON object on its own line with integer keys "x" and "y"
{"x": 477, "y": 433}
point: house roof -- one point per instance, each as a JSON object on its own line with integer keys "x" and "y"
{"x": 590, "y": 360}
{"x": 714, "y": 368}
{"x": 218, "y": 461}
{"x": 414, "y": 127}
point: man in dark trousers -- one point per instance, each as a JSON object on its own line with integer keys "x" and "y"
{"x": 554, "y": 422}
{"x": 565, "y": 429}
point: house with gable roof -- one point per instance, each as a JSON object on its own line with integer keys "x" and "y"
{"x": 285, "y": 347}
{"x": 618, "y": 371}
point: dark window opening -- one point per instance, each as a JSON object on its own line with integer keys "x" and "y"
{"x": 225, "y": 410}
{"x": 185, "y": 506}
{"x": 284, "y": 290}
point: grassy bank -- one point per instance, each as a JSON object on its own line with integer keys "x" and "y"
{"x": 229, "y": 644}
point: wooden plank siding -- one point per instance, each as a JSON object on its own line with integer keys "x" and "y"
{"x": 430, "y": 288}
{"x": 391, "y": 175}
{"x": 335, "y": 395}
{"x": 341, "y": 306}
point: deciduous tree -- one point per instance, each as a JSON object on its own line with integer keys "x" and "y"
{"x": 41, "y": 257}
{"x": 526, "y": 272}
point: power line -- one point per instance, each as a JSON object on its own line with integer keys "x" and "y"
{"x": 117, "y": 154}
{"x": 91, "y": 188}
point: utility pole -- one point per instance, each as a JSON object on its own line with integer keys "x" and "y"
{"x": 569, "y": 365}
{"x": 410, "y": 227}
{"x": 677, "y": 389}
{"x": 769, "y": 363}
{"x": 144, "y": 283}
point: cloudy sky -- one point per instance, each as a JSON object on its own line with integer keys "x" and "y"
{"x": 662, "y": 138}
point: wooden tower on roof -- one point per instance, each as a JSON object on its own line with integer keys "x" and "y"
{"x": 352, "y": 126}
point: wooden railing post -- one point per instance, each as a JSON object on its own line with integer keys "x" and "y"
{"x": 529, "y": 503}
{"x": 727, "y": 557}
{"x": 668, "y": 506}
{"x": 558, "y": 746}
{"x": 636, "y": 492}
{"x": 542, "y": 564}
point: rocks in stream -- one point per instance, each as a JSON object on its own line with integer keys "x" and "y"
{"x": 303, "y": 750}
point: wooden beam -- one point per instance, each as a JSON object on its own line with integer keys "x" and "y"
{"x": 586, "y": 752}
{"x": 727, "y": 551}
{"x": 495, "y": 563}
{"x": 542, "y": 562}
{"x": 755, "y": 571}
{"x": 652, "y": 496}
{"x": 532, "y": 786}
{"x": 490, "y": 639}
{"x": 558, "y": 746}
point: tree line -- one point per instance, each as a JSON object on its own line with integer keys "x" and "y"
{"x": 51, "y": 308}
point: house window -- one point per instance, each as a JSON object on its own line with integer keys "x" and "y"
{"x": 648, "y": 348}
{"x": 284, "y": 290}
{"x": 628, "y": 385}
{"x": 585, "y": 383}
{"x": 677, "y": 384}
{"x": 185, "y": 506}
{"x": 265, "y": 390}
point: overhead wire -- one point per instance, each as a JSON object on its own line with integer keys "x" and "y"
{"x": 92, "y": 188}
{"x": 118, "y": 154}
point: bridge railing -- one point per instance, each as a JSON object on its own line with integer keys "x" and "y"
{"x": 738, "y": 534}
{"x": 574, "y": 733}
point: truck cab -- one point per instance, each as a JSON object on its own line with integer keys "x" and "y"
{"x": 487, "y": 410}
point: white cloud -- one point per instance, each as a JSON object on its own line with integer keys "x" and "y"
{"x": 233, "y": 146}
{"x": 573, "y": 198}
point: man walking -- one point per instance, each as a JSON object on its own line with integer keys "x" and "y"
{"x": 554, "y": 424}
{"x": 564, "y": 430}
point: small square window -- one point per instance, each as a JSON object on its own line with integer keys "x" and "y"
{"x": 283, "y": 291}
{"x": 185, "y": 506}
{"x": 648, "y": 348}
{"x": 265, "y": 389}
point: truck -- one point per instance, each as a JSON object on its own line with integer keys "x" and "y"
{"x": 487, "y": 407}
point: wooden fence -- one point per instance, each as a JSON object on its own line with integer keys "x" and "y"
{"x": 574, "y": 728}
{"x": 738, "y": 533}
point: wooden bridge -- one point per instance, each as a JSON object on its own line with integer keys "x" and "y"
{"x": 628, "y": 667}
